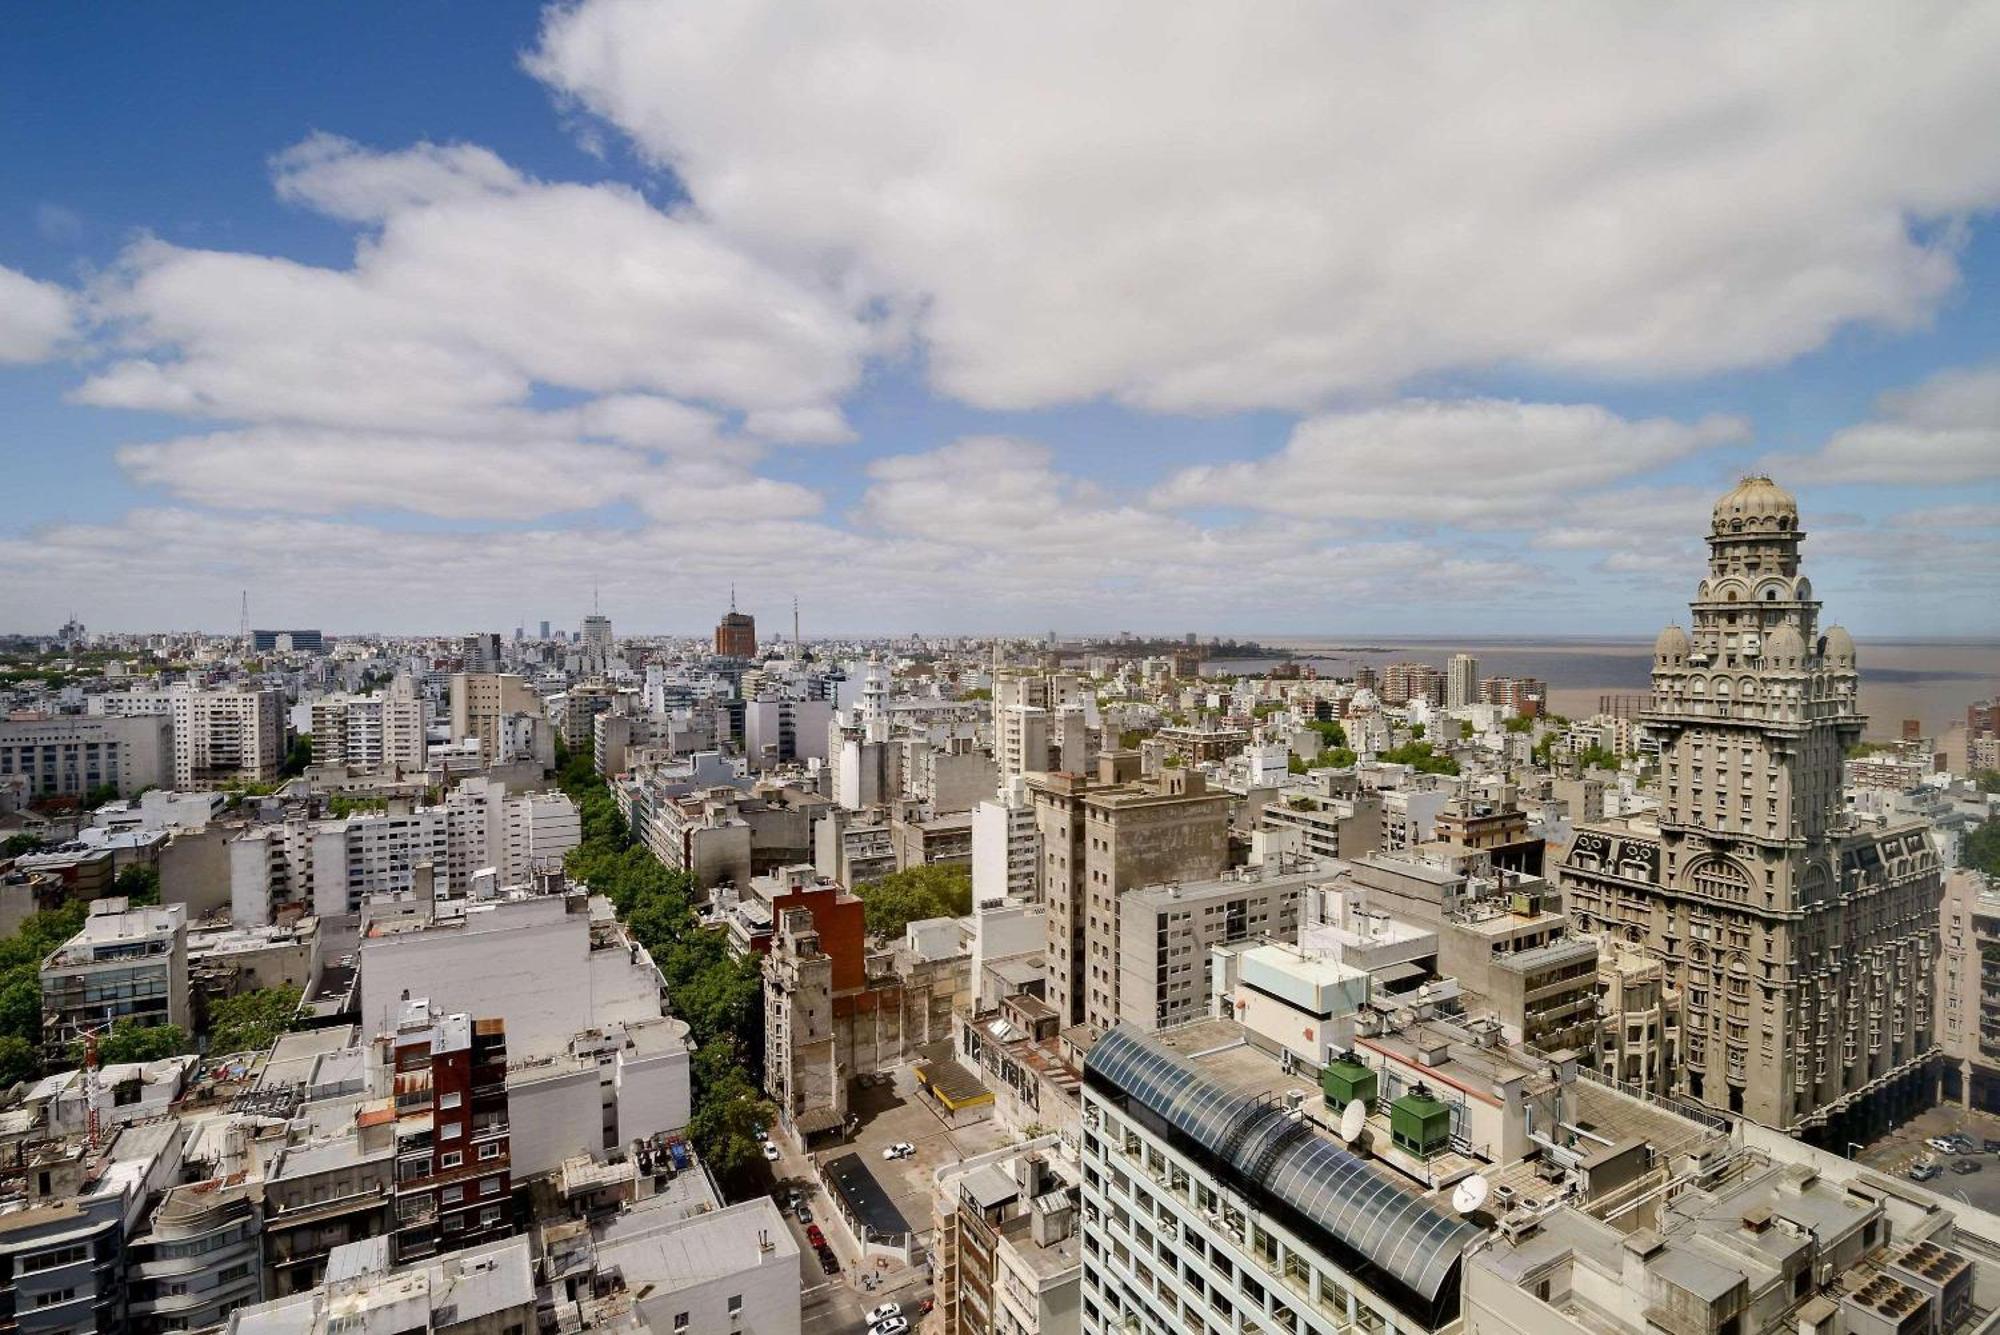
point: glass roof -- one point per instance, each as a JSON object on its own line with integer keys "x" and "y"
{"x": 1394, "y": 1229}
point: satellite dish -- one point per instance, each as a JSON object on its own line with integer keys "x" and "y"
{"x": 1470, "y": 1194}
{"x": 1352, "y": 1120}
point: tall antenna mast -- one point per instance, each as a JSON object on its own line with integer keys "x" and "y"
{"x": 797, "y": 644}
{"x": 243, "y": 630}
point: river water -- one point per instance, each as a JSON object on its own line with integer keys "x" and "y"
{"x": 1928, "y": 680}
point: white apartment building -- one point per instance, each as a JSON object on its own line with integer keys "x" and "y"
{"x": 373, "y": 854}
{"x": 335, "y": 865}
{"x": 1006, "y": 848}
{"x": 372, "y": 732}
{"x": 518, "y": 835}
{"x": 1208, "y": 1208}
{"x": 225, "y": 736}
{"x": 1461, "y": 682}
{"x": 593, "y": 1061}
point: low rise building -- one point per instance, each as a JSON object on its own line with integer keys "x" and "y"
{"x": 1007, "y": 1257}
{"x": 125, "y": 964}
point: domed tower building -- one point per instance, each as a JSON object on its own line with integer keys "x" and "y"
{"x": 1799, "y": 944}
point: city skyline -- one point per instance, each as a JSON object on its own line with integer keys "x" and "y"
{"x": 556, "y": 305}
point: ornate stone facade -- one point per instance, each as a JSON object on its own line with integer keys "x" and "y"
{"x": 1798, "y": 947}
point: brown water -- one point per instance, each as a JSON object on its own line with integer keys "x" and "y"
{"x": 1932, "y": 681}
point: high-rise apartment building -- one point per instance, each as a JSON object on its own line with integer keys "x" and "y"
{"x": 1038, "y": 722}
{"x": 1461, "y": 687}
{"x": 1101, "y": 837}
{"x": 1526, "y": 696}
{"x": 481, "y": 652}
{"x": 1404, "y": 682}
{"x": 488, "y": 706}
{"x": 227, "y": 736}
{"x": 1801, "y": 944}
{"x": 384, "y": 732}
{"x": 596, "y": 643}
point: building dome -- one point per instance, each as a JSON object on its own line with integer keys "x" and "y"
{"x": 1838, "y": 647}
{"x": 1672, "y": 646}
{"x": 1785, "y": 647}
{"x": 1757, "y": 502}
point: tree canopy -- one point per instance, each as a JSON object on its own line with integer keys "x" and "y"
{"x": 251, "y": 1021}
{"x": 718, "y": 994}
{"x": 1421, "y": 757}
{"x": 1981, "y": 849}
{"x": 890, "y": 903}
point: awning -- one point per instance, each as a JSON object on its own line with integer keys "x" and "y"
{"x": 953, "y": 1085}
{"x": 813, "y": 1121}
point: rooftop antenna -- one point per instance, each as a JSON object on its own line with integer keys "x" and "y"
{"x": 1352, "y": 1120}
{"x": 795, "y": 623}
{"x": 1471, "y": 1194}
{"x": 243, "y": 628}
{"x": 732, "y": 595}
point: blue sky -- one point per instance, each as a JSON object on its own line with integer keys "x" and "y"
{"x": 428, "y": 316}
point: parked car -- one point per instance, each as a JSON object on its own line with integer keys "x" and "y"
{"x": 770, "y": 1152}
{"x": 805, "y": 1214}
{"x": 1924, "y": 1172}
{"x": 1990, "y": 1145}
{"x": 815, "y": 1237}
{"x": 902, "y": 1149}
{"x": 895, "y": 1325}
{"x": 828, "y": 1262}
{"x": 1964, "y": 1166}
{"x": 883, "y": 1313}
{"x": 1942, "y": 1144}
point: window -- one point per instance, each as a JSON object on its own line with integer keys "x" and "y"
{"x": 489, "y": 1186}
{"x": 490, "y": 1215}
{"x": 680, "y": 1321}
{"x": 490, "y": 1150}
{"x": 50, "y": 1260}
{"x": 453, "y": 1130}
{"x": 735, "y": 1304}
{"x": 54, "y": 1296}
{"x": 450, "y": 1100}
{"x": 453, "y": 1195}
{"x": 233, "y": 1272}
{"x": 452, "y": 1159}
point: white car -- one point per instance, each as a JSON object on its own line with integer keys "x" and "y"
{"x": 895, "y": 1325}
{"x": 770, "y": 1151}
{"x": 1942, "y": 1144}
{"x": 902, "y": 1149}
{"x": 884, "y": 1312}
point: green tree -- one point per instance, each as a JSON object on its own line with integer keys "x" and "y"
{"x": 1339, "y": 757}
{"x": 251, "y": 1021}
{"x": 130, "y": 1041}
{"x": 1596, "y": 757}
{"x": 1416, "y": 732}
{"x": 341, "y": 805}
{"x": 1988, "y": 780}
{"x": 1420, "y": 757}
{"x": 892, "y": 902}
{"x": 1465, "y": 729}
{"x": 17, "y": 844}
{"x": 1294, "y": 765}
{"x": 1330, "y": 732}
{"x": 727, "y": 1112}
{"x": 1519, "y": 723}
{"x": 1981, "y": 847}
{"x": 99, "y": 795}
{"x": 297, "y": 757}
{"x": 19, "y": 1060}
{"x": 140, "y": 884}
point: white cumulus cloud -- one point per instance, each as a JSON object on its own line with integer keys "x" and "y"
{"x": 35, "y": 317}
{"x": 1189, "y": 206}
